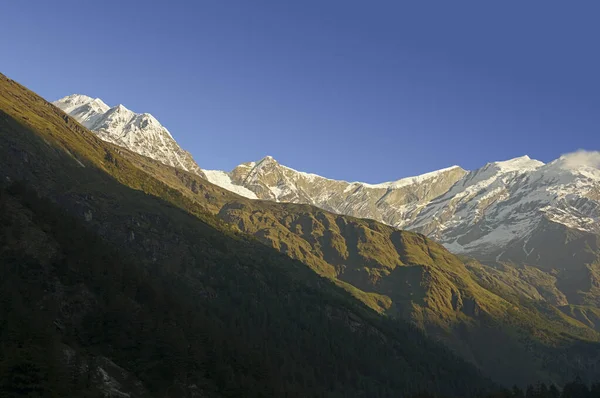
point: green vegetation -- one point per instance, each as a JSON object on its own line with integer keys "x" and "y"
{"x": 587, "y": 315}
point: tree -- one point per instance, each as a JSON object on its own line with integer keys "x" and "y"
{"x": 542, "y": 390}
{"x": 530, "y": 392}
{"x": 517, "y": 392}
{"x": 595, "y": 390}
{"x": 576, "y": 389}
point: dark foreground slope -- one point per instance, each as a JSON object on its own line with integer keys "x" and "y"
{"x": 113, "y": 281}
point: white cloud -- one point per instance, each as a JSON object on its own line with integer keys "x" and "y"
{"x": 582, "y": 158}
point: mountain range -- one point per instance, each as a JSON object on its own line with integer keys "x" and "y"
{"x": 515, "y": 211}
{"x": 519, "y": 303}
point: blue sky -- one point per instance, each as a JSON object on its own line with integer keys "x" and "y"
{"x": 356, "y": 90}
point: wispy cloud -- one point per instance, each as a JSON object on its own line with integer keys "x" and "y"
{"x": 582, "y": 158}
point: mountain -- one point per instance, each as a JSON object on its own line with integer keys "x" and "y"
{"x": 141, "y": 133}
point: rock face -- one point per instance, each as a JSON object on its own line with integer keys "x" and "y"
{"x": 390, "y": 202}
{"x": 140, "y": 133}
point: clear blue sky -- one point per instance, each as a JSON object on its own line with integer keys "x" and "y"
{"x": 357, "y": 90}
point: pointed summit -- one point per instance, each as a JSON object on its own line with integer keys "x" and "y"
{"x": 120, "y": 109}
{"x": 518, "y": 164}
{"x": 76, "y": 99}
{"x": 73, "y": 102}
{"x": 267, "y": 159}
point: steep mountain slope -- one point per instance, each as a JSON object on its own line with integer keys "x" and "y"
{"x": 115, "y": 263}
{"x": 141, "y": 133}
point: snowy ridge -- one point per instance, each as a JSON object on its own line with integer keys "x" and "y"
{"x": 72, "y": 102}
{"x": 476, "y": 212}
{"x": 140, "y": 133}
{"x": 272, "y": 181}
{"x": 410, "y": 180}
{"x": 520, "y": 164}
{"x": 383, "y": 185}
{"x": 506, "y": 202}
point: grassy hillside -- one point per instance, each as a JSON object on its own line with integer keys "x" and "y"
{"x": 587, "y": 315}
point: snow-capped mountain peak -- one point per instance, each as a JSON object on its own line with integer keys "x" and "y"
{"x": 268, "y": 158}
{"x": 121, "y": 109}
{"x": 74, "y": 101}
{"x": 520, "y": 164}
{"x": 140, "y": 133}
